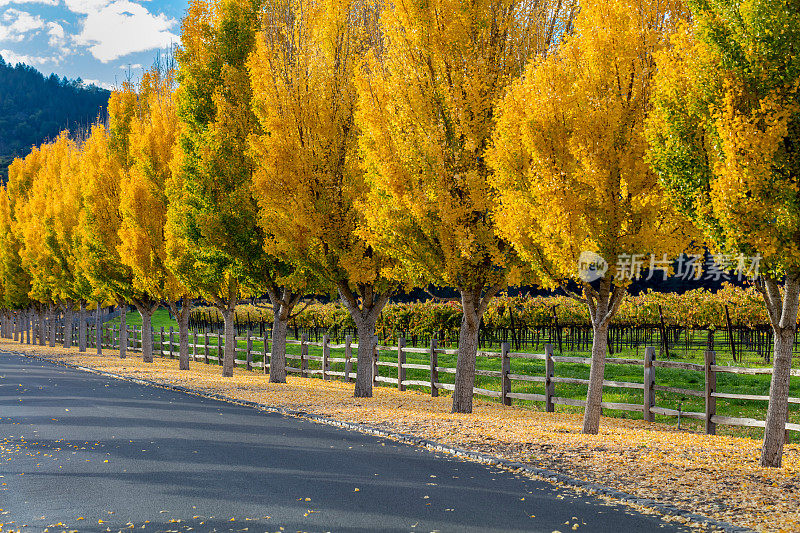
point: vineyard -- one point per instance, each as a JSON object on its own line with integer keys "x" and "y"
{"x": 732, "y": 321}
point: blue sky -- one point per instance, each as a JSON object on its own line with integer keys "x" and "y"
{"x": 98, "y": 41}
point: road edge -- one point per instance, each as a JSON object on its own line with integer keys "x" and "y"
{"x": 492, "y": 460}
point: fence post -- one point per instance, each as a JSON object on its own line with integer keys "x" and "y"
{"x": 205, "y": 341}
{"x": 304, "y": 355}
{"x": 401, "y": 360}
{"x": 711, "y": 388}
{"x": 266, "y": 351}
{"x": 348, "y": 354}
{"x": 326, "y": 353}
{"x": 434, "y": 363}
{"x": 171, "y": 349}
{"x": 194, "y": 346}
{"x": 649, "y": 380}
{"x": 249, "y": 350}
{"x": 375, "y": 360}
{"x": 505, "y": 370}
{"x": 221, "y": 350}
{"x": 161, "y": 344}
{"x": 549, "y": 374}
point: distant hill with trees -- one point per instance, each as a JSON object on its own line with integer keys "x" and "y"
{"x": 35, "y": 108}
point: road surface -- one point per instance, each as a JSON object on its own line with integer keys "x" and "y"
{"x": 82, "y": 452}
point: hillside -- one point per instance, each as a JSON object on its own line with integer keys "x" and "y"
{"x": 35, "y": 108}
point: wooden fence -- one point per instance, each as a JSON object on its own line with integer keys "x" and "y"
{"x": 208, "y": 348}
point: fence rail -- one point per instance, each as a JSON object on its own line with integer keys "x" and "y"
{"x": 209, "y": 347}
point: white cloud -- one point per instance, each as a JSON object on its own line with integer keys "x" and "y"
{"x": 56, "y": 33}
{"x": 12, "y": 58}
{"x": 134, "y": 66}
{"x": 86, "y": 7}
{"x": 99, "y": 83}
{"x": 58, "y": 39}
{"x": 17, "y": 24}
{"x": 120, "y": 27}
{"x": 4, "y": 3}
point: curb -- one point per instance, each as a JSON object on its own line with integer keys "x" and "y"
{"x": 547, "y": 475}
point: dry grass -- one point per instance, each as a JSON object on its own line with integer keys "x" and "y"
{"x": 716, "y": 476}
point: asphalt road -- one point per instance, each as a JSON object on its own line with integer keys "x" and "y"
{"x": 83, "y": 452}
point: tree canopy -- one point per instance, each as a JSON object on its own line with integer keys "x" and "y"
{"x": 725, "y": 141}
{"x": 427, "y": 108}
{"x": 569, "y": 158}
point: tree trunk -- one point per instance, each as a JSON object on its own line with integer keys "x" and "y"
{"x": 366, "y": 352}
{"x": 183, "y": 339}
{"x": 69, "y": 324}
{"x": 82, "y": 326}
{"x": 42, "y": 340}
{"x": 783, "y": 315}
{"x": 594, "y": 396}
{"x": 283, "y": 302}
{"x": 183, "y": 315}
{"x": 467, "y": 352}
{"x": 229, "y": 358}
{"x": 473, "y": 306}
{"x": 123, "y": 331}
{"x": 98, "y": 330}
{"x": 365, "y": 311}
{"x": 146, "y": 312}
{"x": 603, "y": 305}
{"x": 52, "y": 312}
{"x": 277, "y": 361}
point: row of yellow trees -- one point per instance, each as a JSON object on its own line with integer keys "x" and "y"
{"x": 361, "y": 146}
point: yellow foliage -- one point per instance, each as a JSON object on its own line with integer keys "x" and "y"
{"x": 143, "y": 195}
{"x": 101, "y": 219}
{"x": 569, "y": 146}
{"x": 47, "y": 222}
{"x": 756, "y": 209}
{"x": 308, "y": 176}
{"x": 427, "y": 106}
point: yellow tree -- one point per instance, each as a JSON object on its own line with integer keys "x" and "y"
{"x": 16, "y": 279}
{"x": 427, "y": 107}
{"x": 20, "y": 178}
{"x": 30, "y": 229}
{"x": 569, "y": 163}
{"x": 218, "y": 214}
{"x": 48, "y": 223}
{"x": 105, "y": 162}
{"x": 144, "y": 201}
{"x": 308, "y": 178}
{"x": 64, "y": 197}
{"x": 725, "y": 141}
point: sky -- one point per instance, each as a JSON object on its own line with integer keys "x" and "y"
{"x": 100, "y": 41}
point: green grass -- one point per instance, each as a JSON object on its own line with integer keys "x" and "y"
{"x": 686, "y": 379}
{"x": 161, "y": 319}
